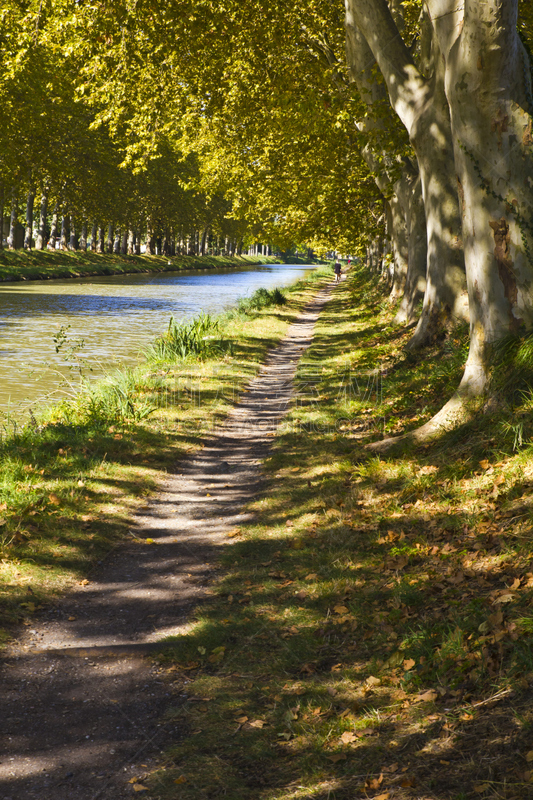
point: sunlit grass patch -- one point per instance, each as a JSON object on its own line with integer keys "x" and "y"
{"x": 70, "y": 480}
{"x": 375, "y": 614}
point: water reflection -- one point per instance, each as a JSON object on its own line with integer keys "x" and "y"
{"x": 115, "y": 316}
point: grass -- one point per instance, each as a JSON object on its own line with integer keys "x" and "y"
{"x": 198, "y": 338}
{"x": 71, "y": 479}
{"x": 262, "y": 298}
{"x": 16, "y": 265}
{"x": 371, "y": 634}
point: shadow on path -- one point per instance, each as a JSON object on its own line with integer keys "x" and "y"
{"x": 82, "y": 708}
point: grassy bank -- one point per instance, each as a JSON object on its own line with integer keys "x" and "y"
{"x": 372, "y": 634}
{"x": 71, "y": 479}
{"x": 32, "y": 265}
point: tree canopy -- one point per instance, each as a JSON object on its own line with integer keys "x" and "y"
{"x": 399, "y": 130}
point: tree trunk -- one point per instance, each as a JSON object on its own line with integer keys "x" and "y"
{"x": 2, "y": 204}
{"x": 73, "y": 239}
{"x": 493, "y": 137}
{"x": 64, "y": 232}
{"x": 131, "y": 243}
{"x": 94, "y": 231}
{"x": 109, "y": 242}
{"x": 415, "y": 283}
{"x": 11, "y": 239}
{"x": 100, "y": 240}
{"x": 203, "y": 241}
{"x": 116, "y": 243}
{"x": 28, "y": 233}
{"x": 422, "y": 106}
{"x": 399, "y": 236}
{"x": 485, "y": 60}
{"x": 150, "y": 239}
{"x": 53, "y": 229}
{"x": 124, "y": 243}
{"x": 41, "y": 233}
{"x": 83, "y": 236}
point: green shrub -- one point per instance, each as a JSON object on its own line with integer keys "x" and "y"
{"x": 262, "y": 298}
{"x": 197, "y": 338}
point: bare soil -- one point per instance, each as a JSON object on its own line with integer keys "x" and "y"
{"x": 82, "y": 711}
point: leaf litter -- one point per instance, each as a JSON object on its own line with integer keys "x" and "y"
{"x": 400, "y": 621}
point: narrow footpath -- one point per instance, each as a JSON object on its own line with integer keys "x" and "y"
{"x": 82, "y": 709}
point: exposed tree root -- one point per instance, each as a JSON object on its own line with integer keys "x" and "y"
{"x": 454, "y": 413}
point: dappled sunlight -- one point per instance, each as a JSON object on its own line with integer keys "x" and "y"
{"x": 372, "y": 633}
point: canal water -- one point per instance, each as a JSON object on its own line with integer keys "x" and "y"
{"x": 116, "y": 317}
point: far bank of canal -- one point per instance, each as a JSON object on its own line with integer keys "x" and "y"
{"x": 116, "y": 317}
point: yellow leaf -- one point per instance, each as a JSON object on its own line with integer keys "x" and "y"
{"x": 181, "y": 779}
{"x": 504, "y": 598}
{"x": 340, "y": 610}
{"x": 71, "y": 619}
{"x": 54, "y": 499}
{"x": 428, "y": 697}
{"x": 382, "y": 796}
{"x": 484, "y": 464}
{"x": 138, "y": 787}
{"x": 241, "y": 720}
{"x": 373, "y": 681}
{"x": 481, "y": 787}
{"x": 529, "y": 756}
{"x": 258, "y": 723}
{"x": 348, "y": 737}
{"x": 311, "y": 576}
{"x": 408, "y": 664}
{"x": 149, "y": 541}
{"x": 84, "y": 582}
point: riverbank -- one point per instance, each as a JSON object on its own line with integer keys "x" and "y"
{"x": 371, "y": 635}
{"x": 369, "y": 631}
{"x": 72, "y": 478}
{"x": 37, "y": 265}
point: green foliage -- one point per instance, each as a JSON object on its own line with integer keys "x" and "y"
{"x": 195, "y": 339}
{"x": 262, "y": 298}
{"x": 117, "y": 399}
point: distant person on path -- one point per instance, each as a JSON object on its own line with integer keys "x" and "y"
{"x": 337, "y": 270}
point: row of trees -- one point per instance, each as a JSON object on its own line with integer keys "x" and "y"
{"x": 66, "y": 181}
{"x": 399, "y": 121}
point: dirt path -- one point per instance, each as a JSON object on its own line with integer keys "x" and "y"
{"x": 82, "y": 707}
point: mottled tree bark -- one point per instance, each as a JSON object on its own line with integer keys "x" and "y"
{"x": 28, "y": 232}
{"x": 52, "y": 241}
{"x": 109, "y": 240}
{"x": 100, "y": 240}
{"x": 73, "y": 238}
{"x": 2, "y": 204}
{"x": 43, "y": 212}
{"x": 493, "y": 137}
{"x": 83, "y": 236}
{"x": 63, "y": 241}
{"x": 415, "y": 283}
{"x": 11, "y": 239}
{"x": 422, "y": 106}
